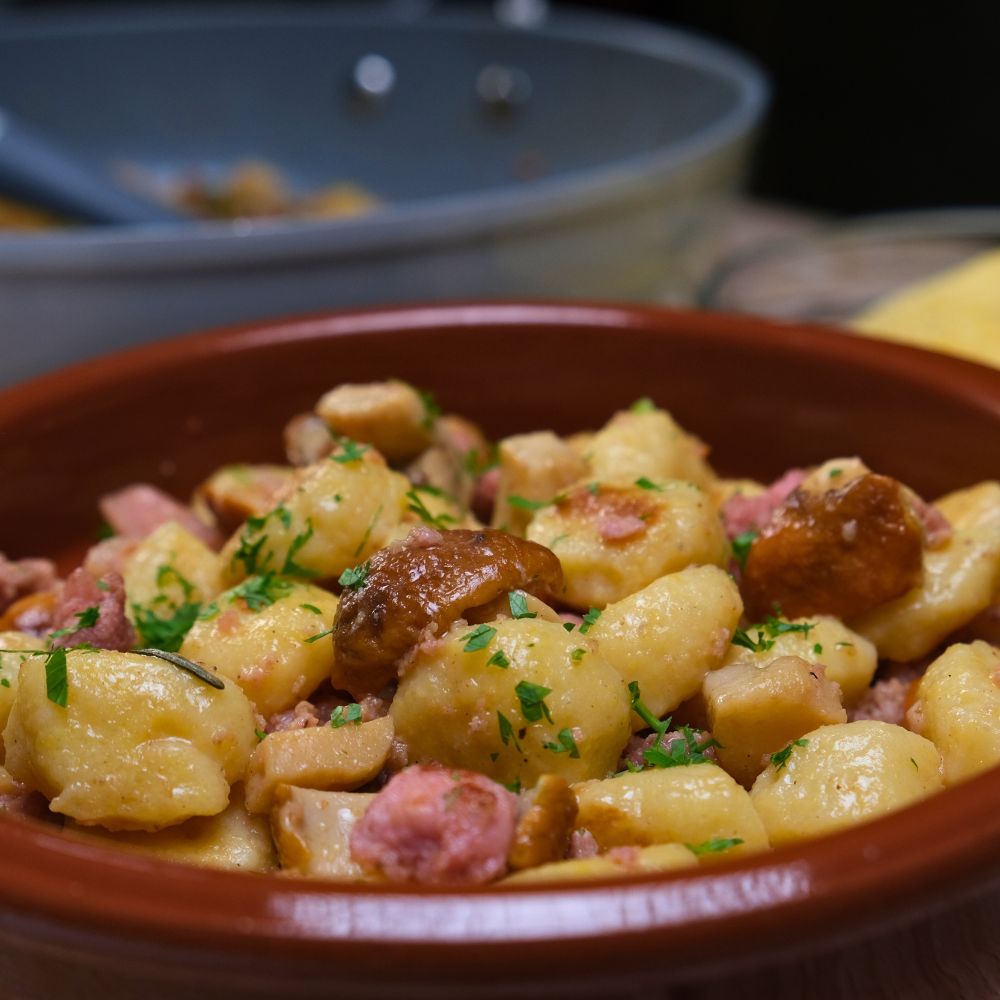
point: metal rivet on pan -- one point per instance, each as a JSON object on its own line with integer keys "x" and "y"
{"x": 373, "y": 78}
{"x": 503, "y": 88}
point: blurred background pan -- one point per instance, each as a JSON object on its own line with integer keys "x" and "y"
{"x": 575, "y": 156}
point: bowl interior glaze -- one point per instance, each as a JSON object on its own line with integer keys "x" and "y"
{"x": 764, "y": 395}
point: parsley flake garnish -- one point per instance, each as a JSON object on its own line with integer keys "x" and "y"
{"x": 647, "y": 484}
{"x": 518, "y": 602}
{"x": 643, "y": 710}
{"x": 354, "y": 578}
{"x": 343, "y": 714}
{"x": 312, "y": 608}
{"x": 532, "y": 699}
{"x": 643, "y": 405}
{"x": 714, "y": 846}
{"x": 578, "y": 654}
{"x": 350, "y": 450}
{"x": 479, "y": 638}
{"x": 514, "y": 786}
{"x": 759, "y": 645}
{"x": 320, "y": 635}
{"x": 84, "y": 619}
{"x": 260, "y": 734}
{"x": 56, "y": 679}
{"x": 291, "y": 567}
{"x": 4, "y": 682}
{"x": 365, "y": 538}
{"x": 507, "y": 734}
{"x": 523, "y": 503}
{"x": 417, "y": 506}
{"x": 569, "y": 626}
{"x": 566, "y": 744}
{"x": 680, "y": 753}
{"x": 431, "y": 409}
{"x": 165, "y": 632}
{"x": 818, "y": 648}
{"x": 589, "y": 620}
{"x": 741, "y": 546}
{"x": 780, "y": 759}
{"x": 261, "y": 591}
{"x": 498, "y": 659}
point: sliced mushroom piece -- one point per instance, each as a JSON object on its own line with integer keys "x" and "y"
{"x": 841, "y": 552}
{"x": 420, "y": 588}
{"x": 546, "y": 823}
{"x": 236, "y": 492}
{"x": 307, "y": 439}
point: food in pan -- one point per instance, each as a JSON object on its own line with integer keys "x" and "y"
{"x": 411, "y": 656}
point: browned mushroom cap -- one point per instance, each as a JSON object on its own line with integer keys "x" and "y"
{"x": 842, "y": 552}
{"x": 430, "y": 580}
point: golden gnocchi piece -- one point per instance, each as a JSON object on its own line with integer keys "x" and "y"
{"x": 533, "y": 467}
{"x": 345, "y": 508}
{"x": 233, "y": 839}
{"x": 676, "y": 805}
{"x": 615, "y": 540}
{"x": 524, "y": 698}
{"x": 392, "y": 416}
{"x": 755, "y": 709}
{"x": 842, "y": 775}
{"x": 849, "y": 658}
{"x": 10, "y": 667}
{"x": 958, "y": 708}
{"x": 624, "y": 861}
{"x": 312, "y": 832}
{"x": 648, "y": 443}
{"x": 170, "y": 568}
{"x": 669, "y": 635}
{"x": 961, "y": 578}
{"x": 140, "y": 745}
{"x": 337, "y": 760}
{"x": 257, "y": 634}
{"x": 235, "y": 492}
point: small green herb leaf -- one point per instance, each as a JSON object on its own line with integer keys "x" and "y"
{"x": 680, "y": 753}
{"x": 319, "y": 635}
{"x": 261, "y": 591}
{"x": 643, "y": 711}
{"x": 479, "y": 638}
{"x": 507, "y": 734}
{"x": 647, "y": 484}
{"x": 354, "y": 578}
{"x": 532, "y": 699}
{"x": 780, "y": 759}
{"x": 498, "y": 659}
{"x": 714, "y": 846}
{"x": 578, "y": 654}
{"x": 56, "y": 680}
{"x": 643, "y": 405}
{"x": 417, "y": 506}
{"x": 350, "y": 450}
{"x": 84, "y": 619}
{"x": 566, "y": 744}
{"x": 741, "y": 546}
{"x": 343, "y": 714}
{"x": 519, "y": 605}
{"x": 590, "y": 620}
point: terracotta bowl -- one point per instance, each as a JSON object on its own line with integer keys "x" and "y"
{"x": 79, "y": 921}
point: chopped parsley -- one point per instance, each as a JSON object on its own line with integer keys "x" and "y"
{"x": 56, "y": 680}
{"x": 343, "y": 714}
{"x": 569, "y": 626}
{"x": 514, "y": 786}
{"x": 260, "y": 734}
{"x": 714, "y": 846}
{"x": 835, "y": 472}
{"x": 166, "y": 632}
{"x": 320, "y": 635}
{"x": 291, "y": 567}
{"x": 498, "y": 659}
{"x": 6, "y": 683}
{"x": 741, "y": 546}
{"x": 519, "y": 605}
{"x": 523, "y": 503}
{"x": 566, "y": 744}
{"x": 780, "y": 759}
{"x": 578, "y": 654}
{"x": 818, "y": 648}
{"x": 759, "y": 645}
{"x": 532, "y": 699}
{"x": 261, "y": 591}
{"x": 312, "y": 608}
{"x": 647, "y": 484}
{"x": 643, "y": 405}
{"x": 643, "y": 710}
{"x": 680, "y": 753}
{"x": 350, "y": 450}
{"x": 354, "y": 578}
{"x": 841, "y": 645}
{"x": 417, "y": 506}
{"x": 84, "y": 619}
{"x": 767, "y": 633}
{"x": 589, "y": 620}
{"x": 507, "y": 734}
{"x": 366, "y": 537}
{"x": 775, "y": 626}
{"x": 432, "y": 409}
{"x": 559, "y": 538}
{"x": 479, "y": 638}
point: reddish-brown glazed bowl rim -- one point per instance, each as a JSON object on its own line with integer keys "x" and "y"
{"x": 833, "y": 887}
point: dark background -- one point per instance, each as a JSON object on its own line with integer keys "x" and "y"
{"x": 876, "y": 106}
